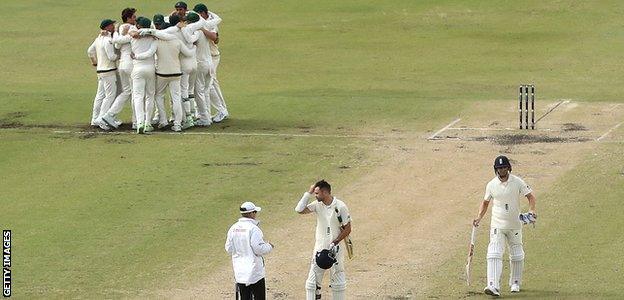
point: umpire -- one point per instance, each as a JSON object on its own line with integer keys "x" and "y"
{"x": 245, "y": 242}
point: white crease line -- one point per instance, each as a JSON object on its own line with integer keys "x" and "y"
{"x": 224, "y": 133}
{"x": 614, "y": 106}
{"x": 433, "y": 136}
{"x": 608, "y": 131}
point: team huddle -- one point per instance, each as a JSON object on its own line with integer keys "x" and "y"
{"x": 142, "y": 58}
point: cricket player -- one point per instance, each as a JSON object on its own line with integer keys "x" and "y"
{"x": 245, "y": 243}
{"x": 169, "y": 48}
{"x": 121, "y": 41}
{"x": 505, "y": 191}
{"x": 205, "y": 69}
{"x": 103, "y": 57}
{"x": 216, "y": 97}
{"x": 143, "y": 75}
{"x": 333, "y": 224}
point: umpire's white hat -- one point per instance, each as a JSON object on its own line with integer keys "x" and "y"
{"x": 248, "y": 207}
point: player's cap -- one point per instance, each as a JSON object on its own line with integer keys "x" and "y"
{"x": 192, "y": 18}
{"x": 180, "y": 4}
{"x": 502, "y": 162}
{"x": 248, "y": 207}
{"x": 106, "y": 22}
{"x": 143, "y": 22}
{"x": 159, "y": 19}
{"x": 174, "y": 20}
{"x": 200, "y": 8}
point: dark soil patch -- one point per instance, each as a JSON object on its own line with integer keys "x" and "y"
{"x": 573, "y": 127}
{"x": 519, "y": 139}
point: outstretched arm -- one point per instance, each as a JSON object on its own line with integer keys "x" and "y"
{"x": 482, "y": 210}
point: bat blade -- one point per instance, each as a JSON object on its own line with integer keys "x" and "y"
{"x": 470, "y": 253}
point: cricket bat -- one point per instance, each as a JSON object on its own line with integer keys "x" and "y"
{"x": 470, "y": 253}
{"x": 347, "y": 240}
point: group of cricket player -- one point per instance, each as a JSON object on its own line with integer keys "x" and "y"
{"x": 245, "y": 241}
{"x": 143, "y": 58}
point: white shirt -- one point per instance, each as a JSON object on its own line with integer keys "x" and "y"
{"x": 203, "y": 46}
{"x": 103, "y": 52}
{"x": 327, "y": 225}
{"x": 506, "y": 206}
{"x": 144, "y": 50}
{"x": 245, "y": 242}
{"x": 122, "y": 42}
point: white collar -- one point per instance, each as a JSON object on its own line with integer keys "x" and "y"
{"x": 245, "y": 219}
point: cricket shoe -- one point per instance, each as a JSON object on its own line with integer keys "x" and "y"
{"x": 100, "y": 123}
{"x": 140, "y": 128}
{"x": 162, "y": 125}
{"x": 219, "y": 117}
{"x": 176, "y": 128}
{"x": 148, "y": 128}
{"x": 188, "y": 123}
{"x": 134, "y": 126}
{"x": 203, "y": 123}
{"x": 110, "y": 121}
{"x": 492, "y": 291}
{"x": 515, "y": 288}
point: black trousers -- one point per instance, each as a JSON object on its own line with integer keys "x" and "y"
{"x": 256, "y": 291}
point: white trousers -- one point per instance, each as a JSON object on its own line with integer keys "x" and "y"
{"x": 496, "y": 249}
{"x": 143, "y": 89}
{"x": 202, "y": 89}
{"x": 173, "y": 83}
{"x": 125, "y": 76}
{"x": 105, "y": 95}
{"x": 216, "y": 97}
{"x": 337, "y": 278}
{"x": 187, "y": 81}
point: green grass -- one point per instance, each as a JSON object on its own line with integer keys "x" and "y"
{"x": 111, "y": 215}
{"x": 575, "y": 249}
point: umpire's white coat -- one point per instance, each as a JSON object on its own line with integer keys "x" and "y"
{"x": 246, "y": 244}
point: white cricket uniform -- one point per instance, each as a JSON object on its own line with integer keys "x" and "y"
{"x": 103, "y": 52}
{"x": 187, "y": 63}
{"x": 327, "y": 229}
{"x": 168, "y": 72}
{"x": 216, "y": 96}
{"x": 204, "y": 66}
{"x": 505, "y": 227}
{"x": 122, "y": 42}
{"x": 143, "y": 77}
{"x": 245, "y": 243}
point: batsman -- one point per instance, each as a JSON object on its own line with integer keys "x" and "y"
{"x": 333, "y": 225}
{"x": 504, "y": 192}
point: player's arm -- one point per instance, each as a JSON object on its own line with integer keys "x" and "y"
{"x": 149, "y": 53}
{"x": 302, "y": 205}
{"x": 258, "y": 245}
{"x": 213, "y": 21}
{"x": 483, "y": 207}
{"x": 532, "y": 201}
{"x": 110, "y": 50}
{"x": 92, "y": 54}
{"x": 229, "y": 246}
{"x": 211, "y": 35}
{"x": 346, "y": 230}
{"x": 186, "y": 51}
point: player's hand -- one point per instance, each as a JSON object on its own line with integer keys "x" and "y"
{"x": 94, "y": 64}
{"x": 132, "y": 55}
{"x": 476, "y": 222}
{"x": 272, "y": 246}
{"x": 125, "y": 29}
{"x": 332, "y": 247}
{"x": 312, "y": 187}
{"x": 134, "y": 34}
